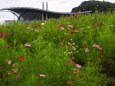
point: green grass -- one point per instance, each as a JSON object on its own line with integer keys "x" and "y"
{"x": 57, "y": 47}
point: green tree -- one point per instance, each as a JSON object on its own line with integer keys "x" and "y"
{"x": 94, "y": 5}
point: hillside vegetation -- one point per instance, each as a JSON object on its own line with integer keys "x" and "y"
{"x": 69, "y": 51}
{"x": 95, "y": 6}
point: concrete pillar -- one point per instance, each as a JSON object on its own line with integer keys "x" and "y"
{"x": 42, "y": 11}
{"x": 46, "y": 10}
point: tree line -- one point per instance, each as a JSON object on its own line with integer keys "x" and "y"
{"x": 93, "y": 5}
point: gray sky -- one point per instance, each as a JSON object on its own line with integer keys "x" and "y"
{"x": 54, "y": 5}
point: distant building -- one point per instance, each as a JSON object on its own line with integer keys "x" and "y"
{"x": 30, "y": 14}
{"x": 34, "y": 13}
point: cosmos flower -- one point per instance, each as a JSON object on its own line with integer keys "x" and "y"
{"x": 69, "y": 82}
{"x": 9, "y": 62}
{"x": 100, "y": 48}
{"x": 74, "y": 72}
{"x": 78, "y": 65}
{"x": 15, "y": 70}
{"x": 9, "y": 46}
{"x": 21, "y": 58}
{"x": 70, "y": 62}
{"x": 27, "y": 45}
{"x": 0, "y": 35}
{"x": 87, "y": 50}
{"x": 42, "y": 75}
{"x": 97, "y": 46}
{"x": 95, "y": 25}
{"x": 70, "y": 26}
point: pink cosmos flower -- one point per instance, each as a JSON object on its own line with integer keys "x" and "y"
{"x": 78, "y": 65}
{"x": 95, "y": 45}
{"x": 100, "y": 48}
{"x": 70, "y": 26}
{"x": 9, "y": 62}
{"x": 0, "y": 35}
{"x": 42, "y": 75}
{"x": 74, "y": 72}
{"x": 95, "y": 25}
{"x": 9, "y": 46}
{"x": 15, "y": 70}
{"x": 69, "y": 82}
{"x": 27, "y": 45}
{"x": 70, "y": 62}
{"x": 87, "y": 50}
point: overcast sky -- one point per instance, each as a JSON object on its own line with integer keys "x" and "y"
{"x": 54, "y": 5}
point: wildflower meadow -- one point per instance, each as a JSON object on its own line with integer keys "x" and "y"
{"x": 70, "y": 51}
